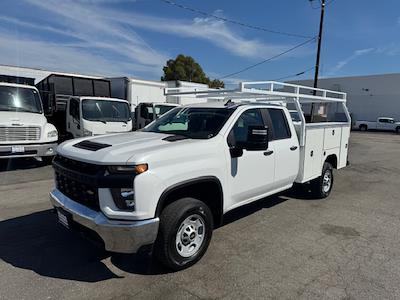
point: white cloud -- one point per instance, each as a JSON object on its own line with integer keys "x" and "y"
{"x": 344, "y": 62}
{"x": 103, "y": 40}
{"x": 60, "y": 57}
{"x": 213, "y": 31}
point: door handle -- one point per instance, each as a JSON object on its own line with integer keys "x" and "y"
{"x": 293, "y": 148}
{"x": 268, "y": 153}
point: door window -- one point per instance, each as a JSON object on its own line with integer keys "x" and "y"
{"x": 238, "y": 134}
{"x": 74, "y": 109}
{"x": 280, "y": 125}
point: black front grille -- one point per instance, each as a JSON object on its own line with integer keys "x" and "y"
{"x": 80, "y": 192}
{"x": 78, "y": 166}
{"x": 78, "y": 180}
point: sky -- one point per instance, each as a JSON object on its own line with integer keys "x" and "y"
{"x": 136, "y": 37}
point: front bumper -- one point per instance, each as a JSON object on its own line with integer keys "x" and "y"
{"x": 118, "y": 235}
{"x": 30, "y": 150}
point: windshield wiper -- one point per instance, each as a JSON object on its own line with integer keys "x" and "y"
{"x": 98, "y": 120}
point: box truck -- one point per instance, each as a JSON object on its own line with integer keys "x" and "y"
{"x": 82, "y": 106}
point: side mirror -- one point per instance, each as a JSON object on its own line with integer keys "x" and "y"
{"x": 257, "y": 138}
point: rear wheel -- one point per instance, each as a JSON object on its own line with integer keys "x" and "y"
{"x": 321, "y": 187}
{"x": 398, "y": 130}
{"x": 363, "y": 127}
{"x": 184, "y": 235}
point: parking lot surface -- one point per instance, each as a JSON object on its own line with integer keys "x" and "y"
{"x": 286, "y": 247}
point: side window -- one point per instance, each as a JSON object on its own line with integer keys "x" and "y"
{"x": 238, "y": 134}
{"x": 74, "y": 109}
{"x": 279, "y": 124}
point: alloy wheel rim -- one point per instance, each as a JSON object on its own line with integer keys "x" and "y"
{"x": 327, "y": 181}
{"x": 190, "y": 236}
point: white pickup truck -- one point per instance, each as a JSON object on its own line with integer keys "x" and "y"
{"x": 382, "y": 123}
{"x": 171, "y": 183}
{"x": 24, "y": 131}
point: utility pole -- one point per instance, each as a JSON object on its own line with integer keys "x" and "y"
{"x": 321, "y": 23}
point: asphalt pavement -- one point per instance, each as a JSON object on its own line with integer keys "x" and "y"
{"x": 283, "y": 247}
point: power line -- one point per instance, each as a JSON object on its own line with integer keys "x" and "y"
{"x": 269, "y": 59}
{"x": 233, "y": 21}
{"x": 295, "y": 75}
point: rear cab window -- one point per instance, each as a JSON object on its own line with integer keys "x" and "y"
{"x": 279, "y": 124}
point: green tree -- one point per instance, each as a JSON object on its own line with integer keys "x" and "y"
{"x": 185, "y": 68}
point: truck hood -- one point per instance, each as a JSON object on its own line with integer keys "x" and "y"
{"x": 12, "y": 118}
{"x": 132, "y": 147}
{"x": 99, "y": 128}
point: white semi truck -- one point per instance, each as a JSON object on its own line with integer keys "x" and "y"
{"x": 171, "y": 183}
{"x": 24, "y": 130}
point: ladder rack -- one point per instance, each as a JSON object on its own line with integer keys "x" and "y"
{"x": 265, "y": 91}
{"x": 269, "y": 91}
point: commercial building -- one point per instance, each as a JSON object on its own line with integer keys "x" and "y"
{"x": 368, "y": 97}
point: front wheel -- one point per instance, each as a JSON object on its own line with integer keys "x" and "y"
{"x": 398, "y": 130}
{"x": 184, "y": 234}
{"x": 321, "y": 187}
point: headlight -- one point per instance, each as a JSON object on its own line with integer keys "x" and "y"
{"x": 87, "y": 132}
{"x": 134, "y": 169}
{"x": 52, "y": 134}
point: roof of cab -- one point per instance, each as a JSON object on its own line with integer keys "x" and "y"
{"x": 99, "y": 98}
{"x": 25, "y": 86}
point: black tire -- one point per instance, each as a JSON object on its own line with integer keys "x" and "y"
{"x": 319, "y": 189}
{"x": 398, "y": 130}
{"x": 47, "y": 160}
{"x": 363, "y": 128}
{"x": 171, "y": 220}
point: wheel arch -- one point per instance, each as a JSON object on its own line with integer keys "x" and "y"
{"x": 333, "y": 160}
{"x": 200, "y": 188}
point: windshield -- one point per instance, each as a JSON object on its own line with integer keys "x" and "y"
{"x": 19, "y": 99}
{"x": 162, "y": 109}
{"x": 105, "y": 110}
{"x": 196, "y": 123}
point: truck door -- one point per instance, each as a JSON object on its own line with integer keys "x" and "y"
{"x": 73, "y": 118}
{"x": 144, "y": 115}
{"x": 252, "y": 174}
{"x": 286, "y": 147}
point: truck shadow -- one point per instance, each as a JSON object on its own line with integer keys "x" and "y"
{"x": 37, "y": 242}
{"x": 19, "y": 164}
{"x": 296, "y": 193}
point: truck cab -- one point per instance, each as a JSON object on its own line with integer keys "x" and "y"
{"x": 24, "y": 130}
{"x": 87, "y": 116}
